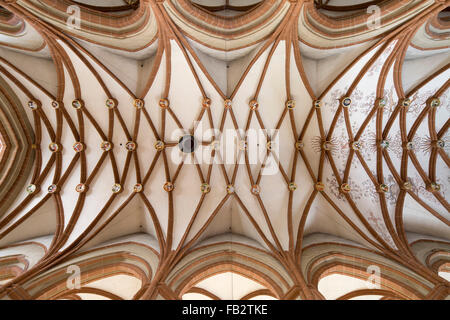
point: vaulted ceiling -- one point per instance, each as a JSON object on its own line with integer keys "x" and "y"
{"x": 349, "y": 172}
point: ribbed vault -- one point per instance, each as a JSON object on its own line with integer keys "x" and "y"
{"x": 353, "y": 160}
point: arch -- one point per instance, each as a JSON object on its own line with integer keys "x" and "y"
{"x": 217, "y": 258}
{"x": 127, "y": 258}
{"x": 322, "y": 260}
